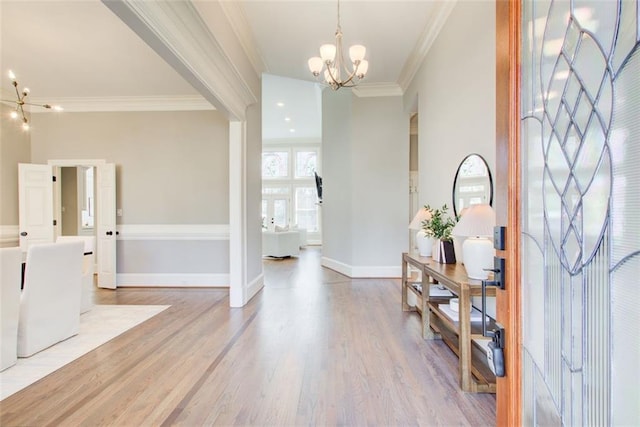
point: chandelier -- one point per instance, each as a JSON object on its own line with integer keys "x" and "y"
{"x": 20, "y": 103}
{"x": 331, "y": 59}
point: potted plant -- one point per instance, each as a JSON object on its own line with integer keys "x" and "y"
{"x": 439, "y": 226}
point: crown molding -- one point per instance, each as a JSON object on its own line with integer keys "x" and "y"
{"x": 179, "y": 34}
{"x": 377, "y": 89}
{"x": 440, "y": 13}
{"x": 129, "y": 103}
{"x": 240, "y": 25}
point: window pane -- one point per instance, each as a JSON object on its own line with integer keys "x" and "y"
{"x": 306, "y": 208}
{"x": 275, "y": 190}
{"x": 306, "y": 163}
{"x": 275, "y": 164}
{"x": 280, "y": 212}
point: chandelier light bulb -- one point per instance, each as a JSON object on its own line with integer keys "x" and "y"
{"x": 25, "y": 126}
{"x": 363, "y": 67}
{"x": 26, "y": 91}
{"x": 57, "y": 108}
{"x": 11, "y": 75}
{"x": 13, "y": 115}
{"x": 328, "y": 52}
{"x": 357, "y": 52}
{"x": 315, "y": 65}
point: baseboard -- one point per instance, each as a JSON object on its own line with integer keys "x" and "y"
{"x": 9, "y": 235}
{"x": 173, "y": 280}
{"x": 356, "y": 272}
{"x": 254, "y": 287}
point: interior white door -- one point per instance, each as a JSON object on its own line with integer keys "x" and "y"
{"x": 106, "y": 225}
{"x": 35, "y": 204}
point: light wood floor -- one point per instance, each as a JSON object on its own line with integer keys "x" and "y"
{"x": 312, "y": 348}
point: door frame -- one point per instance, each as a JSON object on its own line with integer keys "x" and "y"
{"x": 508, "y": 205}
{"x": 97, "y": 164}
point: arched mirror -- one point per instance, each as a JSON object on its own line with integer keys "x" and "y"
{"x": 473, "y": 183}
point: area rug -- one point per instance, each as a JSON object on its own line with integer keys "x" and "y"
{"x": 97, "y": 326}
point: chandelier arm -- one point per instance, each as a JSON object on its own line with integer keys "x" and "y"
{"x": 18, "y": 95}
{"x": 38, "y": 105}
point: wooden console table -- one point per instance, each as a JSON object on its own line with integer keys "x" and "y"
{"x": 462, "y": 335}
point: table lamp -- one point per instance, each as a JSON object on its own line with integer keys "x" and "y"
{"x": 477, "y": 250}
{"x": 423, "y": 240}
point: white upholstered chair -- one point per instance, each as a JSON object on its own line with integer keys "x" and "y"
{"x": 280, "y": 244}
{"x": 10, "y": 270}
{"x": 50, "y": 300}
{"x": 88, "y": 267}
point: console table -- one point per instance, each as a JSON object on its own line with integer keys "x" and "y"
{"x": 461, "y": 334}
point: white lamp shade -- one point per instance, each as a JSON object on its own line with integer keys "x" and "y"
{"x": 363, "y": 68}
{"x": 478, "y": 255}
{"x": 421, "y": 215}
{"x": 357, "y": 52}
{"x": 328, "y": 52}
{"x": 478, "y": 220}
{"x": 315, "y": 64}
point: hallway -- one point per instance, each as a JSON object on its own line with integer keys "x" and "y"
{"x": 313, "y": 348}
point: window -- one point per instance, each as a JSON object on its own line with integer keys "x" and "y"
{"x": 306, "y": 163}
{"x": 306, "y": 210}
{"x": 275, "y": 164}
{"x": 289, "y": 190}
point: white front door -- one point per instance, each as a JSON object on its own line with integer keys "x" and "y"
{"x": 35, "y": 204}
{"x": 106, "y": 225}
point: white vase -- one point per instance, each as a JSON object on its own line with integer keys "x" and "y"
{"x": 424, "y": 242}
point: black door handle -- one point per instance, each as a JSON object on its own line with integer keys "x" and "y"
{"x": 24, "y": 233}
{"x": 109, "y": 233}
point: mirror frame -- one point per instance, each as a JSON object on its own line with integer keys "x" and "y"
{"x": 455, "y": 181}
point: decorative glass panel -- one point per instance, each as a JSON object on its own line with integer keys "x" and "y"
{"x": 275, "y": 164}
{"x": 280, "y": 216}
{"x": 306, "y": 163}
{"x": 581, "y": 194}
{"x": 306, "y": 209}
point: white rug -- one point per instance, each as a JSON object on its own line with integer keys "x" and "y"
{"x": 97, "y": 326}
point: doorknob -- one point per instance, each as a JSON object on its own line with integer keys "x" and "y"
{"x": 24, "y": 233}
{"x": 109, "y": 233}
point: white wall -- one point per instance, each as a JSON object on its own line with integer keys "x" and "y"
{"x": 15, "y": 147}
{"x": 337, "y": 188}
{"x": 456, "y": 99}
{"x": 366, "y": 184}
{"x": 172, "y": 177}
{"x": 456, "y": 89}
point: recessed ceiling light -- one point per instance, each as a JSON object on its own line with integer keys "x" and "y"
{"x": 280, "y": 104}
{"x": 287, "y": 119}
{"x": 292, "y": 130}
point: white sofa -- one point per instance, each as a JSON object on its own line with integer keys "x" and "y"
{"x": 88, "y": 269}
{"x": 280, "y": 244}
{"x": 50, "y": 300}
{"x": 10, "y": 270}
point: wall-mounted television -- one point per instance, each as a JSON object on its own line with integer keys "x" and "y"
{"x": 318, "y": 186}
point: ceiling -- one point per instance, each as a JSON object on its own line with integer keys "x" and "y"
{"x": 68, "y": 50}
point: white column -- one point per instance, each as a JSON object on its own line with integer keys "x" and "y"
{"x": 237, "y": 214}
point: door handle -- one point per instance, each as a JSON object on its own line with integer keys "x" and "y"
{"x": 24, "y": 233}
{"x": 109, "y": 233}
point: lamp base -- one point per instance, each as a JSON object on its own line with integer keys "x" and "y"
{"x": 478, "y": 254}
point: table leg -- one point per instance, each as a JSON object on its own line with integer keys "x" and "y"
{"x": 464, "y": 339}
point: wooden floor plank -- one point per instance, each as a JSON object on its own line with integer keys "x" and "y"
{"x": 313, "y": 348}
